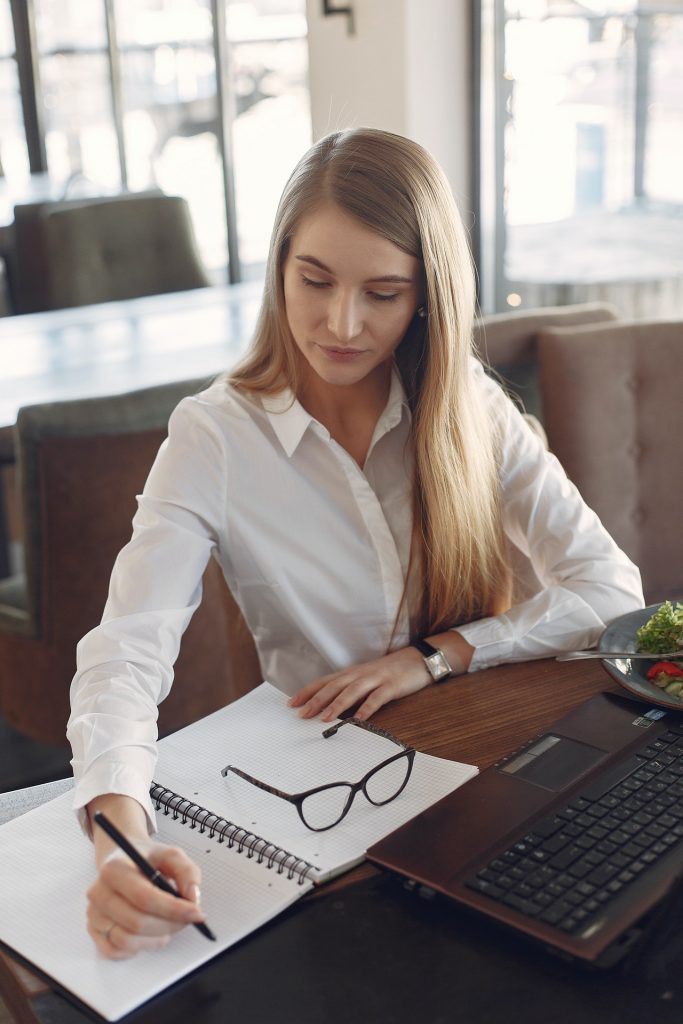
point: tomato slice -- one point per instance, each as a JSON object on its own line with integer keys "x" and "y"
{"x": 666, "y": 668}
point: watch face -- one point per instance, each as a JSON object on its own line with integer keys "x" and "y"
{"x": 438, "y": 666}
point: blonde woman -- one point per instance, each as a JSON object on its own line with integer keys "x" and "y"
{"x": 382, "y": 513}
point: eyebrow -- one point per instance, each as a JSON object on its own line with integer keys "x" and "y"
{"x": 384, "y": 279}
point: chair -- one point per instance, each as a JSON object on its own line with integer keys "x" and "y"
{"x": 81, "y": 463}
{"x": 614, "y": 418}
{"x": 5, "y": 306}
{"x": 81, "y": 251}
{"x": 506, "y": 342}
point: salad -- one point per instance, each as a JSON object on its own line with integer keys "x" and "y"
{"x": 661, "y": 633}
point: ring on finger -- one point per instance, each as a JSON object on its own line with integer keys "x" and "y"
{"x": 106, "y": 932}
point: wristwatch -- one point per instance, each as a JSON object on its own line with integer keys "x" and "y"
{"x": 435, "y": 660}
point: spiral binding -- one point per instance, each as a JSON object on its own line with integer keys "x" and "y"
{"x": 238, "y": 838}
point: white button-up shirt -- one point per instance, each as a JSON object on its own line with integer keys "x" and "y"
{"x": 315, "y": 550}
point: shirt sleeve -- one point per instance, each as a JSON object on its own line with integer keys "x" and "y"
{"x": 125, "y": 665}
{"x": 584, "y": 580}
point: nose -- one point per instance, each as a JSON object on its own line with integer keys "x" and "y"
{"x": 345, "y": 320}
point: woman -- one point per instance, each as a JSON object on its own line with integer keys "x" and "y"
{"x": 380, "y": 510}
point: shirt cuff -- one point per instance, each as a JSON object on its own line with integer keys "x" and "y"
{"x": 112, "y": 777}
{"x": 493, "y": 641}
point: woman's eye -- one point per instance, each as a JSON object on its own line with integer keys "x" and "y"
{"x": 381, "y": 297}
{"x": 312, "y": 283}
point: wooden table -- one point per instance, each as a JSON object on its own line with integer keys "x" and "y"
{"x": 477, "y": 719}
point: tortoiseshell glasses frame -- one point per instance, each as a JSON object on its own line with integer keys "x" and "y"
{"x": 398, "y": 780}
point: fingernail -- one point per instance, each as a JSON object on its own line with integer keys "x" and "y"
{"x": 195, "y": 893}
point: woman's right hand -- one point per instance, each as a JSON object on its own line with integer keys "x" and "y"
{"x": 126, "y": 912}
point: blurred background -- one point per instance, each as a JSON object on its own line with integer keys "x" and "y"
{"x": 571, "y": 122}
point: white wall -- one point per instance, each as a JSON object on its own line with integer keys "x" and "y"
{"x": 407, "y": 69}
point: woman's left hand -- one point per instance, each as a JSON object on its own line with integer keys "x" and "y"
{"x": 394, "y": 675}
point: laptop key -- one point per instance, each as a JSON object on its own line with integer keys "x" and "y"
{"x": 556, "y": 842}
{"x": 524, "y": 906}
{"x": 566, "y": 857}
{"x": 555, "y": 914}
{"x": 485, "y": 888}
{"x": 602, "y": 874}
{"x": 547, "y": 827}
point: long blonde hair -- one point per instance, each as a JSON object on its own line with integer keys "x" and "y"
{"x": 396, "y": 188}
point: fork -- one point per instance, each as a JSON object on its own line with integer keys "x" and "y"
{"x": 634, "y": 655}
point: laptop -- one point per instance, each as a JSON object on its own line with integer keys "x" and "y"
{"x": 572, "y": 839}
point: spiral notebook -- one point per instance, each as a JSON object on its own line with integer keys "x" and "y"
{"x": 255, "y": 854}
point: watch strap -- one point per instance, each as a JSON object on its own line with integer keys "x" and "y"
{"x": 425, "y": 648}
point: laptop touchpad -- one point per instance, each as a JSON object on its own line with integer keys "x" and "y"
{"x": 553, "y": 762}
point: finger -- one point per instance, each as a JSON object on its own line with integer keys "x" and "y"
{"x": 125, "y": 881}
{"x": 116, "y": 909}
{"x": 114, "y": 942}
{"x": 176, "y": 865}
{"x": 324, "y": 698}
{"x": 374, "y": 701}
{"x": 305, "y": 694}
{"x": 347, "y": 698}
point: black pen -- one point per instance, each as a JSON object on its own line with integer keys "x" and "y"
{"x": 155, "y": 876}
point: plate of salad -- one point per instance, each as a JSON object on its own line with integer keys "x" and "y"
{"x": 659, "y": 629}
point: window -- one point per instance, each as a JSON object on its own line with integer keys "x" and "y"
{"x": 13, "y": 152}
{"x": 582, "y": 153}
{"x": 207, "y": 99}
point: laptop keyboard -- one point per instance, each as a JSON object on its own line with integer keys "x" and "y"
{"x": 573, "y": 862}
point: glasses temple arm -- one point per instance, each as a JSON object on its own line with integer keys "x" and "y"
{"x": 332, "y": 731}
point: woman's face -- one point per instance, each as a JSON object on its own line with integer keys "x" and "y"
{"x": 350, "y": 295}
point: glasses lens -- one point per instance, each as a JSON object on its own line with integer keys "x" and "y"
{"x": 324, "y": 809}
{"x": 387, "y": 781}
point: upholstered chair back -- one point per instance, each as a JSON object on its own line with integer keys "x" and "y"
{"x": 76, "y": 252}
{"x": 81, "y": 465}
{"x": 507, "y": 343}
{"x": 614, "y": 417}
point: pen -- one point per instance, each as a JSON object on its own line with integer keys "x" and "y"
{"x": 155, "y": 876}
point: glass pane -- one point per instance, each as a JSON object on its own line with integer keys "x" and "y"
{"x": 664, "y": 138}
{"x": 6, "y": 30}
{"x": 323, "y": 809}
{"x": 273, "y": 124}
{"x": 387, "y": 781}
{"x": 171, "y": 111}
{"x": 80, "y": 135}
{"x": 70, "y": 25}
{"x": 569, "y": 136}
{"x": 150, "y": 22}
{"x": 14, "y": 167}
{"x": 591, "y": 152}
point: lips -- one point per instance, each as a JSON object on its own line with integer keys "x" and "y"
{"x": 341, "y": 355}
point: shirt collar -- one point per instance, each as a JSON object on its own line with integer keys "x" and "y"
{"x": 290, "y": 421}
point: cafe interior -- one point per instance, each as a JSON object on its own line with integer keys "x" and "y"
{"x": 143, "y": 148}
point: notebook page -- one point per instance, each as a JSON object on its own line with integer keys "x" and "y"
{"x": 263, "y": 736}
{"x": 46, "y": 865}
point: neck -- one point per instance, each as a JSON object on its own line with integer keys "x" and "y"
{"x": 349, "y": 413}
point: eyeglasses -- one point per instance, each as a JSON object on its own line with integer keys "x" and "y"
{"x": 325, "y": 806}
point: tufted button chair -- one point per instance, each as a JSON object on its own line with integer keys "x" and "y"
{"x": 76, "y": 252}
{"x": 506, "y": 342}
{"x": 81, "y": 465}
{"x": 614, "y": 417}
